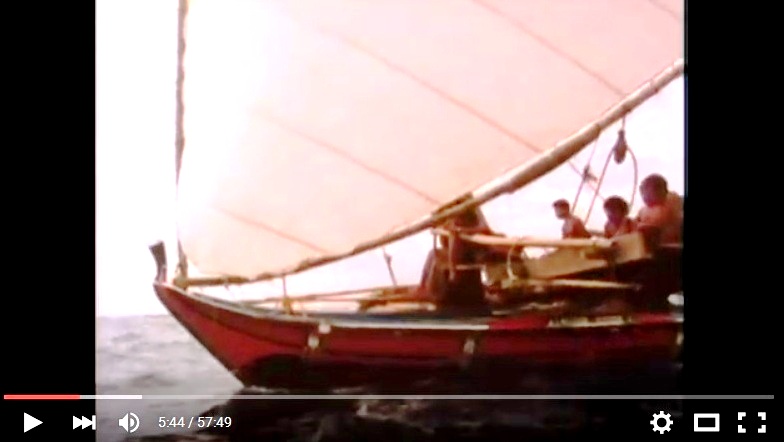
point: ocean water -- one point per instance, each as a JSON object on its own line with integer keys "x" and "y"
{"x": 154, "y": 355}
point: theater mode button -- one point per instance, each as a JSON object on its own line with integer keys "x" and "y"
{"x": 30, "y": 422}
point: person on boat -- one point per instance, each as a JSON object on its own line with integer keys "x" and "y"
{"x": 663, "y": 211}
{"x": 618, "y": 221}
{"x": 573, "y": 227}
{"x": 442, "y": 281}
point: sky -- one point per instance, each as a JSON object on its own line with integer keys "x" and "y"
{"x": 135, "y": 191}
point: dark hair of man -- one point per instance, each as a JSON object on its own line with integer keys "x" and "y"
{"x": 561, "y": 203}
{"x": 655, "y": 182}
{"x": 617, "y": 204}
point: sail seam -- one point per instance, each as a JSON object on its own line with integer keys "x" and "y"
{"x": 517, "y": 24}
{"x": 544, "y": 42}
{"x": 665, "y": 9}
{"x": 270, "y": 229}
{"x": 423, "y": 83}
{"x": 346, "y": 156}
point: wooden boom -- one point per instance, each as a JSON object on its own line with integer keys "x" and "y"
{"x": 493, "y": 240}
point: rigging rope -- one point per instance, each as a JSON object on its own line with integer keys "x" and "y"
{"x": 388, "y": 259}
{"x": 636, "y": 176}
{"x": 598, "y": 185}
{"x": 286, "y": 301}
{"x": 586, "y": 175}
{"x": 618, "y": 152}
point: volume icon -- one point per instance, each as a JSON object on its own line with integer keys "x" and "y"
{"x": 129, "y": 422}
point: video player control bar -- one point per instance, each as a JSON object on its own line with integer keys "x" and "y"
{"x": 377, "y": 397}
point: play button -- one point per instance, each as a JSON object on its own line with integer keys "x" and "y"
{"x": 30, "y": 422}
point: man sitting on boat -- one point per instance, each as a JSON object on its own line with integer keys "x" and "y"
{"x": 618, "y": 221}
{"x": 573, "y": 227}
{"x": 663, "y": 211}
{"x": 451, "y": 275}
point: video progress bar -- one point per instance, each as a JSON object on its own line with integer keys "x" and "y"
{"x": 343, "y": 397}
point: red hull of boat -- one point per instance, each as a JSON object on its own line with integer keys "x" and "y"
{"x": 247, "y": 340}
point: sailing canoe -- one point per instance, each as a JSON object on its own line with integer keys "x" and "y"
{"x": 312, "y": 132}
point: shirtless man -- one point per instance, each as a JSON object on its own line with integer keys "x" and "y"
{"x": 573, "y": 227}
{"x": 618, "y": 221}
{"x": 663, "y": 209}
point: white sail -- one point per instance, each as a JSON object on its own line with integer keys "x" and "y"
{"x": 312, "y": 126}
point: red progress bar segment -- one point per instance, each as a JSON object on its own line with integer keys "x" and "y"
{"x": 42, "y": 397}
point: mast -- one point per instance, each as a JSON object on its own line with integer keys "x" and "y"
{"x": 179, "y": 136}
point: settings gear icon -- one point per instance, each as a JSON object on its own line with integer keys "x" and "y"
{"x": 667, "y": 422}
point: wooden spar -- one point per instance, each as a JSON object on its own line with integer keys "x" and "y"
{"x": 179, "y": 137}
{"x": 323, "y": 296}
{"x": 386, "y": 297}
{"x": 570, "y": 283}
{"x": 392, "y": 295}
{"x": 491, "y": 240}
{"x": 518, "y": 178}
{"x": 184, "y": 282}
